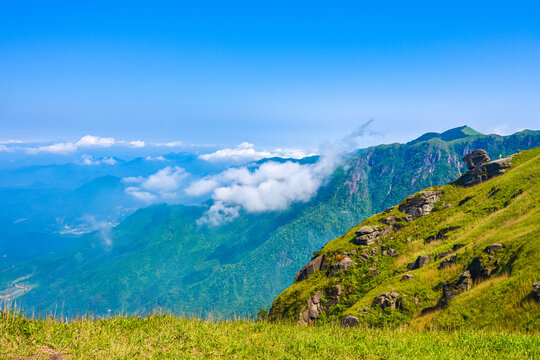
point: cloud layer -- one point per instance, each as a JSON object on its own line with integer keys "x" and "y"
{"x": 164, "y": 185}
{"x": 273, "y": 186}
{"x": 246, "y": 152}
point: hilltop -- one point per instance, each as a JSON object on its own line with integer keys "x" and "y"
{"x": 447, "y": 257}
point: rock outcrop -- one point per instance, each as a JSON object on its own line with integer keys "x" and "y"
{"x": 387, "y": 300}
{"x": 314, "y": 265}
{"x": 420, "y": 261}
{"x": 367, "y": 235}
{"x": 481, "y": 169}
{"x": 420, "y": 204}
{"x": 309, "y": 314}
{"x": 453, "y": 289}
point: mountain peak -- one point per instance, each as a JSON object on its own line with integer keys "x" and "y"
{"x": 448, "y": 135}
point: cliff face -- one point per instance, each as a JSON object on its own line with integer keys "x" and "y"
{"x": 461, "y": 255}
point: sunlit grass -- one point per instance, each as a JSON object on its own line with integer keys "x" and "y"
{"x": 167, "y": 336}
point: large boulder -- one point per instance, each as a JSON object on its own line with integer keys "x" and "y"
{"x": 476, "y": 158}
{"x": 407, "y": 277}
{"x": 367, "y": 235}
{"x": 420, "y": 204}
{"x": 420, "y": 261}
{"x": 314, "y": 265}
{"x": 480, "y": 169}
{"x": 349, "y": 321}
{"x": 453, "y": 289}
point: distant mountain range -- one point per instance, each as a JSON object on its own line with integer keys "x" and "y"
{"x": 159, "y": 258}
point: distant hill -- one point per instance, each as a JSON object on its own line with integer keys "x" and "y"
{"x": 449, "y": 135}
{"x": 158, "y": 258}
{"x": 446, "y": 258}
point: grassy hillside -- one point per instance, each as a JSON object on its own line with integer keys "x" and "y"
{"x": 504, "y": 210}
{"x": 168, "y": 337}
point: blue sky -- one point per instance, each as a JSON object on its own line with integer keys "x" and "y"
{"x": 290, "y": 73}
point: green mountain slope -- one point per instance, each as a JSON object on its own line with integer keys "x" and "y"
{"x": 449, "y": 135}
{"x": 482, "y": 243}
{"x": 159, "y": 258}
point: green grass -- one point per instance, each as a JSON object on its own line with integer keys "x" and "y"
{"x": 166, "y": 336}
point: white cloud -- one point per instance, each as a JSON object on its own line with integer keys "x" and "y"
{"x": 143, "y": 196}
{"x": 133, "y": 179}
{"x": 90, "y": 160}
{"x": 60, "y": 148}
{"x": 163, "y": 185}
{"x": 137, "y": 143}
{"x": 69, "y": 147}
{"x": 273, "y": 186}
{"x": 218, "y": 214}
{"x": 155, "y": 158}
{"x": 5, "y": 148}
{"x": 246, "y": 152}
{"x": 203, "y": 186}
{"x": 170, "y": 144}
{"x": 95, "y": 141}
{"x": 10, "y": 141}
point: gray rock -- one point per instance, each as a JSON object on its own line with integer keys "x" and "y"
{"x": 342, "y": 266}
{"x": 536, "y": 291}
{"x": 421, "y": 261}
{"x": 314, "y": 307}
{"x": 453, "y": 289}
{"x": 476, "y": 158}
{"x": 407, "y": 277}
{"x": 367, "y": 230}
{"x": 420, "y": 204}
{"x": 493, "y": 248}
{"x": 349, "y": 321}
{"x": 393, "y": 253}
{"x": 476, "y": 268}
{"x": 447, "y": 262}
{"x": 385, "y": 300}
{"x": 367, "y": 235}
{"x": 480, "y": 169}
{"x": 314, "y": 265}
